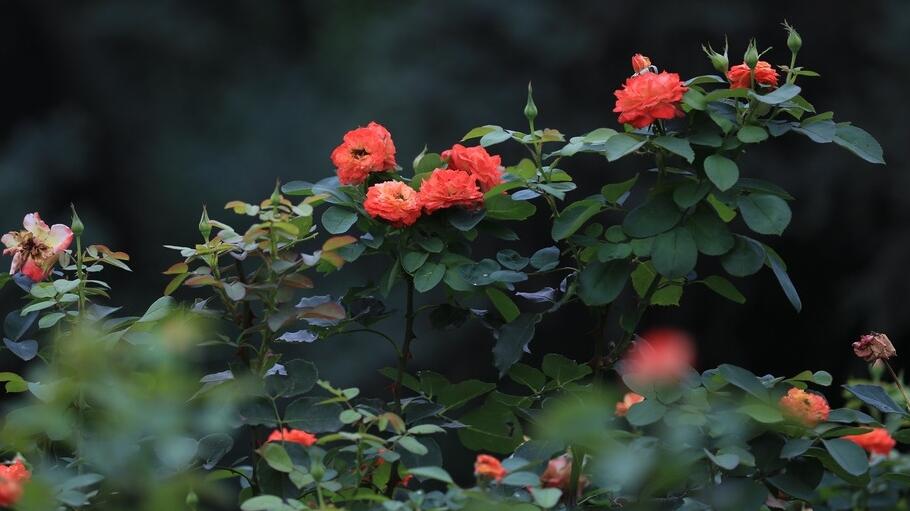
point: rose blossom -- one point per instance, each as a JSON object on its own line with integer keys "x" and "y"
{"x": 36, "y": 249}
{"x": 558, "y": 474}
{"x": 739, "y": 75}
{"x": 807, "y": 408}
{"x": 877, "y": 441}
{"x": 662, "y": 355}
{"x": 297, "y": 436}
{"x": 640, "y": 63}
{"x": 874, "y": 346}
{"x": 630, "y": 399}
{"x": 12, "y": 478}
{"x": 488, "y": 466}
{"x": 362, "y": 151}
{"x": 477, "y": 162}
{"x": 446, "y": 188}
{"x": 393, "y": 201}
{"x": 646, "y": 97}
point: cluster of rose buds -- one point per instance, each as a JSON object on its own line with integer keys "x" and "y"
{"x": 468, "y": 174}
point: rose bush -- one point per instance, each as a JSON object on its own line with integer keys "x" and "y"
{"x": 202, "y": 404}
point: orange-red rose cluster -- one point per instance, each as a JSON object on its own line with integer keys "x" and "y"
{"x": 468, "y": 174}
{"x": 647, "y": 97}
{"x": 806, "y": 408}
{"x": 740, "y": 76}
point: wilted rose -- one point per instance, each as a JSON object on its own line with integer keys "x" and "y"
{"x": 874, "y": 346}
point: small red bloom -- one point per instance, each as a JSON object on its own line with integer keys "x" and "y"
{"x": 297, "y": 436}
{"x": 877, "y": 441}
{"x": 362, "y": 151}
{"x": 646, "y": 97}
{"x": 640, "y": 63}
{"x": 806, "y": 408}
{"x": 559, "y": 474}
{"x": 662, "y": 355}
{"x": 630, "y": 399}
{"x": 447, "y": 188}
{"x": 36, "y": 249}
{"x": 488, "y": 466}
{"x": 477, "y": 162}
{"x": 393, "y": 201}
{"x": 739, "y": 75}
{"x": 12, "y": 477}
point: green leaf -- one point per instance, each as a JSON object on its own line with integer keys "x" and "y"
{"x": 690, "y": 193}
{"x": 480, "y": 131}
{"x": 411, "y": 261}
{"x": 876, "y": 397}
{"x": 723, "y": 211}
{"x": 428, "y": 276}
{"x": 495, "y": 137}
{"x": 614, "y": 192}
{"x": 427, "y": 162}
{"x": 528, "y": 376}
{"x": 492, "y": 427}
{"x": 724, "y": 288}
{"x": 435, "y": 473}
{"x": 512, "y": 339}
{"x": 573, "y": 217}
{"x": 765, "y": 214}
{"x": 712, "y": 237}
{"x": 503, "y": 207}
{"x": 746, "y": 257}
{"x": 15, "y": 325}
{"x": 722, "y": 171}
{"x": 212, "y": 448}
{"x": 265, "y": 503}
{"x": 612, "y": 251}
{"x": 512, "y": 259}
{"x": 413, "y": 445}
{"x": 50, "y": 320}
{"x": 620, "y": 145}
{"x": 851, "y": 457}
{"x": 859, "y": 142}
{"x": 277, "y": 458}
{"x": 674, "y": 253}
{"x": 777, "y": 96}
{"x": 158, "y": 310}
{"x": 743, "y": 379}
{"x": 455, "y": 395}
{"x": 503, "y": 304}
{"x": 751, "y": 134}
{"x": 600, "y": 283}
{"x": 780, "y": 272}
{"x": 656, "y": 215}
{"x": 545, "y": 258}
{"x": 678, "y": 146}
{"x": 762, "y": 413}
{"x": 309, "y": 415}
{"x": 37, "y": 306}
{"x": 338, "y": 220}
{"x": 563, "y": 369}
{"x": 545, "y": 497}
{"x": 26, "y": 350}
{"x": 646, "y": 412}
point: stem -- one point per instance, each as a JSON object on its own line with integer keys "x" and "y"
{"x": 405, "y": 352}
{"x": 575, "y": 476}
{"x": 599, "y": 342}
{"x": 80, "y": 274}
{"x": 897, "y": 381}
{"x": 620, "y": 347}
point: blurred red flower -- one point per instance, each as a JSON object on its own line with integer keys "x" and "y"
{"x": 662, "y": 355}
{"x": 446, "y": 188}
{"x": 488, "y": 466}
{"x": 35, "y": 249}
{"x": 12, "y": 477}
{"x": 477, "y": 162}
{"x": 393, "y": 201}
{"x": 362, "y": 151}
{"x": 739, "y": 75}
{"x": 630, "y": 399}
{"x": 877, "y": 441}
{"x": 297, "y": 436}
{"x": 646, "y": 97}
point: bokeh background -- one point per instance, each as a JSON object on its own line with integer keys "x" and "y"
{"x": 141, "y": 111}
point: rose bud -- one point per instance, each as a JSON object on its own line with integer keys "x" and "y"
{"x": 874, "y": 346}
{"x": 640, "y": 63}
{"x": 794, "y": 41}
{"x": 720, "y": 62}
{"x": 751, "y": 55}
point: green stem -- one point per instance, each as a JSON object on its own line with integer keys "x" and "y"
{"x": 575, "y": 476}
{"x": 80, "y": 274}
{"x": 620, "y": 347}
{"x": 897, "y": 382}
{"x": 599, "y": 342}
{"x": 405, "y": 352}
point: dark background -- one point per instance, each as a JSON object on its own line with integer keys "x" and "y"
{"x": 142, "y": 111}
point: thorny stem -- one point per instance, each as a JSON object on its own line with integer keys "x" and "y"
{"x": 405, "y": 352}
{"x": 897, "y": 381}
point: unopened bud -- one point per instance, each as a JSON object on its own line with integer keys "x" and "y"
{"x": 530, "y": 106}
{"x": 76, "y": 225}
{"x": 640, "y": 63}
{"x": 794, "y": 41}
{"x": 751, "y": 56}
{"x": 720, "y": 62}
{"x": 276, "y": 194}
{"x": 205, "y": 225}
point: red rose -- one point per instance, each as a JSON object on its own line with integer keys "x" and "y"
{"x": 446, "y": 188}
{"x": 488, "y": 466}
{"x": 877, "y": 441}
{"x": 12, "y": 478}
{"x": 477, "y": 162}
{"x": 806, "y": 408}
{"x": 764, "y": 75}
{"x": 640, "y": 63}
{"x": 647, "y": 97}
{"x": 662, "y": 355}
{"x": 362, "y": 151}
{"x": 297, "y": 436}
{"x": 393, "y": 201}
{"x": 36, "y": 249}
{"x": 628, "y": 401}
